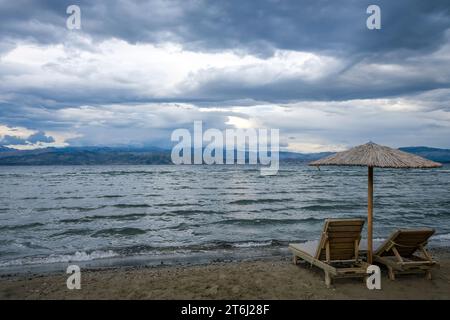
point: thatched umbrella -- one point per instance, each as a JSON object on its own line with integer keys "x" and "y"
{"x": 372, "y": 155}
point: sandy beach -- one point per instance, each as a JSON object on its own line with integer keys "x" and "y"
{"x": 259, "y": 279}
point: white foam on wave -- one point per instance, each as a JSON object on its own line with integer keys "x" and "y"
{"x": 251, "y": 244}
{"x": 442, "y": 237}
{"x": 54, "y": 258}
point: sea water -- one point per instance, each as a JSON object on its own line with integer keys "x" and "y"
{"x": 163, "y": 214}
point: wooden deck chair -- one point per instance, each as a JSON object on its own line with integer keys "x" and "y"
{"x": 337, "y": 252}
{"x": 397, "y": 253}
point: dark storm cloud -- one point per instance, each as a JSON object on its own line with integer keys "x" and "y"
{"x": 40, "y": 21}
{"x": 410, "y": 28}
{"x": 258, "y": 26}
{"x": 334, "y": 87}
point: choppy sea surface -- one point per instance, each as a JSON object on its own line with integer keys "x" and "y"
{"x": 157, "y": 214}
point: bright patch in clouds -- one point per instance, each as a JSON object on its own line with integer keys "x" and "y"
{"x": 25, "y": 139}
{"x": 18, "y": 132}
{"x": 309, "y": 126}
{"x": 241, "y": 123}
{"x": 148, "y": 70}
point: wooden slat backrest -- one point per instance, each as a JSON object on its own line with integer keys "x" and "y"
{"x": 342, "y": 237}
{"x": 406, "y": 241}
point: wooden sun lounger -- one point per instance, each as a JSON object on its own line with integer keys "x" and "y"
{"x": 397, "y": 253}
{"x": 337, "y": 252}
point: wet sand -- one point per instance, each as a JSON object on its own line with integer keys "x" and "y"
{"x": 260, "y": 279}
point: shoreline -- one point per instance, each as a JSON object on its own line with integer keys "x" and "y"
{"x": 174, "y": 259}
{"x": 262, "y": 278}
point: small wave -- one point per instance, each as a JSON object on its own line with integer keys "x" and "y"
{"x": 253, "y": 244}
{"x": 125, "y": 205}
{"x": 170, "y": 204}
{"x": 318, "y": 207}
{"x": 119, "y": 232}
{"x": 183, "y": 188}
{"x": 58, "y": 258}
{"x": 22, "y": 226}
{"x": 230, "y": 194}
{"x": 68, "y": 198}
{"x": 120, "y": 173}
{"x": 238, "y": 244}
{"x": 283, "y": 209}
{"x": 267, "y": 221}
{"x": 72, "y": 232}
{"x": 81, "y": 209}
{"x": 13, "y": 175}
{"x": 192, "y": 211}
{"x": 325, "y": 200}
{"x": 442, "y": 237}
{"x": 184, "y": 226}
{"x": 131, "y": 216}
{"x": 110, "y": 196}
{"x": 257, "y": 201}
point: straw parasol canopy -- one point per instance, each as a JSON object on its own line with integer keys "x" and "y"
{"x": 372, "y": 155}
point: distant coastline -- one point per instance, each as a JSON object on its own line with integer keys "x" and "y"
{"x": 152, "y": 155}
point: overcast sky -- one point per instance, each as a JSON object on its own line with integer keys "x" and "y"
{"x": 139, "y": 69}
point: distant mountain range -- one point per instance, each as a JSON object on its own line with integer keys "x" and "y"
{"x": 5, "y": 149}
{"x": 152, "y": 155}
{"x": 84, "y": 156}
{"x": 435, "y": 154}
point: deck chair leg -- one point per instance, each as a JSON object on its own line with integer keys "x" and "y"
{"x": 294, "y": 260}
{"x": 327, "y": 279}
{"x": 428, "y": 274}
{"x": 391, "y": 273}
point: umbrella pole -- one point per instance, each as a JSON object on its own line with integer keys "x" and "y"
{"x": 369, "y": 214}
